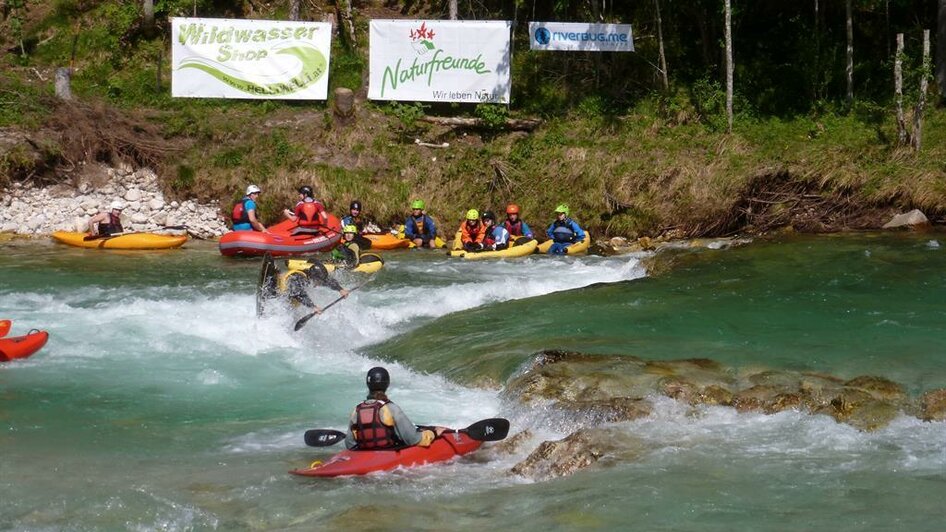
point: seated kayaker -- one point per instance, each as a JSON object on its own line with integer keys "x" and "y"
{"x": 107, "y": 222}
{"x": 244, "y": 212}
{"x": 419, "y": 228}
{"x": 300, "y": 275}
{"x": 348, "y": 251}
{"x": 377, "y": 423}
{"x": 472, "y": 231}
{"x": 309, "y": 213}
{"x": 496, "y": 237}
{"x": 563, "y": 231}
{"x": 514, "y": 224}
{"x": 354, "y": 218}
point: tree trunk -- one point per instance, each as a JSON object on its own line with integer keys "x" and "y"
{"x": 729, "y": 65}
{"x": 147, "y": 8}
{"x": 452, "y": 6}
{"x": 660, "y": 46}
{"x": 850, "y": 55}
{"x": 898, "y": 91}
{"x": 294, "y": 7}
{"x": 941, "y": 49}
{"x": 921, "y": 101}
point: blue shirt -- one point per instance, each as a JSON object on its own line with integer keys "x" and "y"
{"x": 248, "y": 205}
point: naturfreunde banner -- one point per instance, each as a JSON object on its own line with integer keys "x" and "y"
{"x": 263, "y": 59}
{"x": 575, "y": 36}
{"x": 439, "y": 61}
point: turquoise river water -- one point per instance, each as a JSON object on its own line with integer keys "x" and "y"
{"x": 162, "y": 402}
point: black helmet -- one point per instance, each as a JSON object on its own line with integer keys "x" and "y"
{"x": 377, "y": 379}
{"x": 306, "y": 191}
{"x": 488, "y": 215}
{"x": 355, "y": 205}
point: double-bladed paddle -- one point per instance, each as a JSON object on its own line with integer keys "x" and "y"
{"x": 302, "y": 321}
{"x": 493, "y": 429}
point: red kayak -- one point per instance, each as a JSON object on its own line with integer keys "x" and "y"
{"x": 22, "y": 346}
{"x": 363, "y": 462}
{"x": 284, "y": 238}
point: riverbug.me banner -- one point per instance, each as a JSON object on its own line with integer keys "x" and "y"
{"x": 579, "y": 36}
{"x": 226, "y": 58}
{"x": 440, "y": 61}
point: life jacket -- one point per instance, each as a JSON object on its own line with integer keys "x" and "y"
{"x": 114, "y": 225}
{"x": 239, "y": 214}
{"x": 357, "y": 222}
{"x": 562, "y": 231}
{"x": 472, "y": 234}
{"x": 283, "y": 285}
{"x": 418, "y": 224}
{"x": 515, "y": 229}
{"x": 488, "y": 237}
{"x": 369, "y": 431}
{"x": 308, "y": 214}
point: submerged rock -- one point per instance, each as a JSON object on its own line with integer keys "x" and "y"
{"x": 933, "y": 405}
{"x": 579, "y": 450}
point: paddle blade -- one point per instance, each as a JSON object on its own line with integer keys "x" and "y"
{"x": 323, "y": 437}
{"x": 301, "y": 323}
{"x": 493, "y": 429}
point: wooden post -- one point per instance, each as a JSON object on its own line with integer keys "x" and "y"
{"x": 850, "y": 56}
{"x": 921, "y": 101}
{"x": 729, "y": 65}
{"x": 660, "y": 46}
{"x": 147, "y": 8}
{"x": 898, "y": 91}
{"x": 63, "y": 89}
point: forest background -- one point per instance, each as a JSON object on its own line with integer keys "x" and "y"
{"x": 643, "y": 143}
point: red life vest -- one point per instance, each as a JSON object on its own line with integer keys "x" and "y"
{"x": 369, "y": 431}
{"x": 515, "y": 229}
{"x": 309, "y": 214}
{"x": 239, "y": 214}
{"x": 113, "y": 226}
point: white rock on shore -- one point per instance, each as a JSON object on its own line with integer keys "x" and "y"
{"x": 39, "y": 211}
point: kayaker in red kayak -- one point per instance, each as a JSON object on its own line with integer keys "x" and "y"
{"x": 377, "y": 423}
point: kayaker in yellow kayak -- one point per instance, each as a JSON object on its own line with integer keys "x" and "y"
{"x": 563, "y": 231}
{"x": 107, "y": 222}
{"x": 355, "y": 218}
{"x": 377, "y": 423}
{"x": 495, "y": 237}
{"x": 419, "y": 228}
{"x": 300, "y": 275}
{"x": 348, "y": 253}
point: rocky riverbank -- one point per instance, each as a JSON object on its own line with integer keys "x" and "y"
{"x": 39, "y": 211}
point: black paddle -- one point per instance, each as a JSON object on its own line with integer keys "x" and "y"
{"x": 493, "y": 429}
{"x": 302, "y": 321}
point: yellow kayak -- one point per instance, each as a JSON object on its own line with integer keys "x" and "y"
{"x": 520, "y": 250}
{"x": 364, "y": 267}
{"x": 574, "y": 249}
{"x": 122, "y": 241}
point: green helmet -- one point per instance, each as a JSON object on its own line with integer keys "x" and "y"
{"x": 417, "y": 204}
{"x": 350, "y": 229}
{"x": 472, "y": 214}
{"x": 562, "y": 208}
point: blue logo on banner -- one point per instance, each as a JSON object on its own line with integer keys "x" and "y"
{"x": 543, "y": 36}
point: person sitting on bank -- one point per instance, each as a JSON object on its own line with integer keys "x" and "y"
{"x": 354, "y": 218}
{"x": 108, "y": 222}
{"x": 563, "y": 231}
{"x": 309, "y": 213}
{"x": 515, "y": 225}
{"x": 301, "y": 274}
{"x": 472, "y": 232}
{"x": 378, "y": 423}
{"x": 496, "y": 237}
{"x": 419, "y": 228}
{"x": 244, "y": 212}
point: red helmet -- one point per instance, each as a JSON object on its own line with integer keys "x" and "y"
{"x": 512, "y": 208}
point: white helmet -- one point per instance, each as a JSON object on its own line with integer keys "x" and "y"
{"x": 252, "y": 189}
{"x": 117, "y": 205}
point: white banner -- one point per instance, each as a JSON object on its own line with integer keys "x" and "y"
{"x": 264, "y": 59}
{"x": 439, "y": 61}
{"x": 573, "y": 36}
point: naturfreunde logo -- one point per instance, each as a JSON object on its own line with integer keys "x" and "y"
{"x": 422, "y": 41}
{"x": 242, "y": 49}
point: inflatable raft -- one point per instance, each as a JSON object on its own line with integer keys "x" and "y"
{"x": 14, "y": 347}
{"x": 354, "y": 462}
{"x": 574, "y": 249}
{"x": 122, "y": 241}
{"x": 516, "y": 250}
{"x": 283, "y": 239}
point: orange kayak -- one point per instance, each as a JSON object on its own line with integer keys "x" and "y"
{"x": 22, "y": 346}
{"x": 387, "y": 241}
